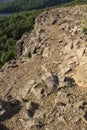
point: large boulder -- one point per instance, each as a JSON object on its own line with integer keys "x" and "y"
{"x": 51, "y": 81}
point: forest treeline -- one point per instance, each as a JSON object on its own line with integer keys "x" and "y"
{"x": 11, "y": 29}
{"x": 22, "y": 5}
{"x": 11, "y": 6}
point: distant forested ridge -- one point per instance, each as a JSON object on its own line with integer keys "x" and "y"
{"x": 6, "y": 1}
{"x": 77, "y": 2}
{"x": 10, "y": 6}
{"x": 21, "y": 5}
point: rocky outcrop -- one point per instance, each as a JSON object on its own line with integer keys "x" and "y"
{"x": 48, "y": 81}
{"x": 19, "y": 46}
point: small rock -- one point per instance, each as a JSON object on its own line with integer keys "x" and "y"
{"x": 74, "y": 30}
{"x": 27, "y": 88}
{"x": 51, "y": 81}
{"x": 31, "y": 108}
{"x": 80, "y": 52}
{"x": 2, "y": 110}
{"x": 38, "y": 92}
{"x": 66, "y": 70}
{"x": 54, "y": 21}
{"x": 46, "y": 52}
{"x": 62, "y": 98}
{"x": 39, "y": 114}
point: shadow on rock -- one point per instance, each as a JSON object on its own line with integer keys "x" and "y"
{"x": 9, "y": 108}
{"x": 3, "y": 127}
{"x": 10, "y": 113}
{"x": 33, "y": 108}
{"x": 69, "y": 82}
{"x": 85, "y": 116}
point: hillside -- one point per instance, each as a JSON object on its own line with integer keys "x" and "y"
{"x": 21, "y": 5}
{"x": 46, "y": 87}
{"x": 11, "y": 29}
{"x": 6, "y": 0}
{"x": 3, "y": 1}
{"x": 77, "y": 2}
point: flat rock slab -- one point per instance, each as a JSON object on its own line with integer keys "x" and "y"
{"x": 81, "y": 75}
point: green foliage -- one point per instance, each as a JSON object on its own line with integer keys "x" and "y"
{"x": 11, "y": 29}
{"x": 7, "y": 6}
{"x": 43, "y": 84}
{"x": 76, "y": 2}
{"x": 22, "y": 5}
{"x": 85, "y": 30}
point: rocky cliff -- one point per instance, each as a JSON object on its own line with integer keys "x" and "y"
{"x": 46, "y": 87}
